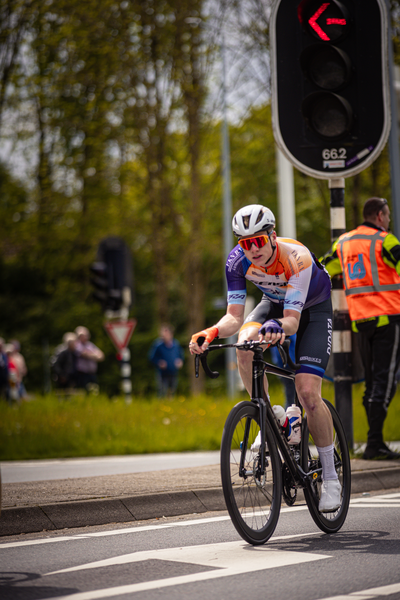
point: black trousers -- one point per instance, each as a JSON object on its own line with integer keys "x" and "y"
{"x": 380, "y": 354}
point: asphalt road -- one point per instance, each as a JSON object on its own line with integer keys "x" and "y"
{"x": 201, "y": 557}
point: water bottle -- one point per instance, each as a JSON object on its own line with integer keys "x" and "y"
{"x": 294, "y": 415}
{"x": 283, "y": 420}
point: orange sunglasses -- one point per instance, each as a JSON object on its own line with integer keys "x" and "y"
{"x": 258, "y": 241}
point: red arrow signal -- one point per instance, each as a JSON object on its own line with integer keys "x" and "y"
{"x": 312, "y": 21}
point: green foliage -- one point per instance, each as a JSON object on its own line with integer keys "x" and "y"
{"x": 104, "y": 107}
{"x": 48, "y": 427}
{"x": 94, "y": 426}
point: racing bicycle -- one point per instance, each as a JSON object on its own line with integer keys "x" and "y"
{"x": 258, "y": 465}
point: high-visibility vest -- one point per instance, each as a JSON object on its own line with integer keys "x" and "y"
{"x": 372, "y": 288}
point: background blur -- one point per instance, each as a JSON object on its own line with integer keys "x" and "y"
{"x": 110, "y": 124}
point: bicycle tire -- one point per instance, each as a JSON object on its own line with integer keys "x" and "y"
{"x": 253, "y": 507}
{"x": 327, "y": 522}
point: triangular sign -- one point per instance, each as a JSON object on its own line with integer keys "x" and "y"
{"x": 120, "y": 332}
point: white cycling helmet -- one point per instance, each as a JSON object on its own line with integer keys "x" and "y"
{"x": 253, "y": 219}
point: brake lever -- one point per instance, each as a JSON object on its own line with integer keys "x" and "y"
{"x": 285, "y": 356}
{"x": 203, "y": 359}
{"x": 283, "y": 350}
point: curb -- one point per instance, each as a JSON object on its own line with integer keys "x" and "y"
{"x": 50, "y": 517}
{"x": 84, "y": 513}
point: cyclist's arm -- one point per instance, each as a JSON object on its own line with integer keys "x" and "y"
{"x": 290, "y": 321}
{"x": 227, "y": 326}
{"x": 232, "y": 321}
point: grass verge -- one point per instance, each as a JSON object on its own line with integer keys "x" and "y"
{"x": 95, "y": 426}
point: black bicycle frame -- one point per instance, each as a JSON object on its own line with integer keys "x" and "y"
{"x": 266, "y": 413}
{"x": 300, "y": 477}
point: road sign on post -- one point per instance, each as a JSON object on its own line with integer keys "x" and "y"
{"x": 120, "y": 333}
{"x": 330, "y": 84}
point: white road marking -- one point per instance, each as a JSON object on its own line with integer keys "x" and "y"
{"x": 227, "y": 558}
{"x": 381, "y": 501}
{"x": 222, "y": 554}
{"x": 84, "y": 536}
{"x": 375, "y": 505}
{"x": 385, "y": 590}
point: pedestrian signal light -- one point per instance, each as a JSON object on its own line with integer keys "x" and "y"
{"x": 330, "y": 84}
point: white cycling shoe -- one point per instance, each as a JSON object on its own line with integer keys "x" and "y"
{"x": 330, "y": 496}
{"x": 256, "y": 445}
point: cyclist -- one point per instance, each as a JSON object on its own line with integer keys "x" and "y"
{"x": 296, "y": 299}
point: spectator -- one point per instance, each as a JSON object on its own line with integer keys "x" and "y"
{"x": 288, "y": 384}
{"x": 88, "y": 355}
{"x": 13, "y": 376}
{"x": 369, "y": 257}
{"x": 3, "y": 371}
{"x": 166, "y": 354}
{"x": 20, "y": 365}
{"x": 64, "y": 362}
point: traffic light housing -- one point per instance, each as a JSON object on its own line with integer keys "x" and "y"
{"x": 113, "y": 275}
{"x": 330, "y": 84}
{"x": 99, "y": 281}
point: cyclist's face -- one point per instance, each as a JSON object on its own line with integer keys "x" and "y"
{"x": 259, "y": 256}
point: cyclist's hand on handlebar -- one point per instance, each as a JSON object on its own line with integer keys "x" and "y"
{"x": 201, "y": 340}
{"x": 271, "y": 331}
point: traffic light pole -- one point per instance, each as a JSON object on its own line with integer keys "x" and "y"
{"x": 394, "y": 154}
{"x": 341, "y": 337}
{"x": 126, "y": 383}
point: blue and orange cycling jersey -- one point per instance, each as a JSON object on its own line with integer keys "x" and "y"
{"x": 294, "y": 280}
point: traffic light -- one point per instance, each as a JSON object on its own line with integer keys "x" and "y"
{"x": 330, "y": 84}
{"x": 100, "y": 282}
{"x": 113, "y": 280}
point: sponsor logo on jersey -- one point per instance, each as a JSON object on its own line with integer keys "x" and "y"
{"x": 294, "y": 303}
{"x": 310, "y": 359}
{"x": 329, "y": 348}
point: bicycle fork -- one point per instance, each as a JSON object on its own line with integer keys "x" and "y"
{"x": 256, "y": 397}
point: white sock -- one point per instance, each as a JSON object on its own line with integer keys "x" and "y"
{"x": 327, "y": 463}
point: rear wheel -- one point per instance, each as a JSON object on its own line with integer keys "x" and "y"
{"x": 328, "y": 522}
{"x": 252, "y": 498}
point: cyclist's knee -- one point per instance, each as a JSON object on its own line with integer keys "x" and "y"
{"x": 309, "y": 392}
{"x": 244, "y": 359}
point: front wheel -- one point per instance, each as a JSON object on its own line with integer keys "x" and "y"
{"x": 253, "y": 498}
{"x": 328, "y": 522}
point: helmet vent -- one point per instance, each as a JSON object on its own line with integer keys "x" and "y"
{"x": 260, "y": 216}
{"x": 246, "y": 221}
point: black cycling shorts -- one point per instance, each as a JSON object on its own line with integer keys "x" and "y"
{"x": 314, "y": 335}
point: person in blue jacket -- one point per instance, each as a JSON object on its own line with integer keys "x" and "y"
{"x": 166, "y": 355}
